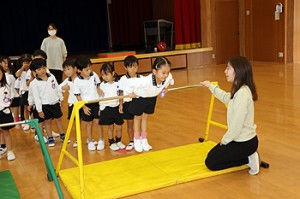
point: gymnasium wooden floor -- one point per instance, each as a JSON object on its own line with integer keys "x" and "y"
{"x": 180, "y": 119}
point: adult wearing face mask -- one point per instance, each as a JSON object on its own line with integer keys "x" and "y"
{"x": 56, "y": 51}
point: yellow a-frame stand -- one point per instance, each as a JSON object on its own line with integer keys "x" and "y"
{"x": 209, "y": 118}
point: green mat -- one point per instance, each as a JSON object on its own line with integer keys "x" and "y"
{"x": 8, "y": 188}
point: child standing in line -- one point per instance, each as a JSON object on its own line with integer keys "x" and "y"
{"x": 87, "y": 88}
{"x": 5, "y": 113}
{"x": 30, "y": 76}
{"x": 23, "y": 88}
{"x": 70, "y": 71}
{"x": 131, "y": 65}
{"x": 110, "y": 109}
{"x": 47, "y": 98}
{"x": 10, "y": 74}
{"x": 146, "y": 90}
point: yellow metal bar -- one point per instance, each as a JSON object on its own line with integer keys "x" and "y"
{"x": 69, "y": 155}
{"x": 77, "y": 107}
{"x": 69, "y": 129}
{"x": 218, "y": 124}
{"x": 211, "y": 107}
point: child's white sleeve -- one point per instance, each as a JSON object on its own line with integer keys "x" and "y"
{"x": 30, "y": 98}
{"x": 36, "y": 96}
{"x": 59, "y": 93}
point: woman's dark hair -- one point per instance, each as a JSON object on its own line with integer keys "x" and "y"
{"x": 243, "y": 75}
{"x": 109, "y": 68}
{"x": 130, "y": 60}
{"x": 82, "y": 62}
{"x": 53, "y": 26}
{"x": 160, "y": 61}
{"x": 3, "y": 81}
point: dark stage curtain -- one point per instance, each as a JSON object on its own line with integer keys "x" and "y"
{"x": 81, "y": 24}
{"x": 127, "y": 23}
{"x": 187, "y": 24}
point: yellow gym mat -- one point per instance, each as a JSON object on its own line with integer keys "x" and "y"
{"x": 144, "y": 172}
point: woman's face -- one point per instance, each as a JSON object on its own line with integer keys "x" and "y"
{"x": 230, "y": 73}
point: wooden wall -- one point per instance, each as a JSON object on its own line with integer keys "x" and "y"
{"x": 296, "y": 47}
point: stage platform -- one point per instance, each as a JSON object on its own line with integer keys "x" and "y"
{"x": 179, "y": 59}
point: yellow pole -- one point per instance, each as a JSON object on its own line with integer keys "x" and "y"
{"x": 77, "y": 107}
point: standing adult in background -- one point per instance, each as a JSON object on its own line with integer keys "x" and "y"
{"x": 56, "y": 51}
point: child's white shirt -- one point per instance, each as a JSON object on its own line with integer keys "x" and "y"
{"x": 45, "y": 92}
{"x": 122, "y": 86}
{"x": 87, "y": 88}
{"x": 109, "y": 90}
{"x": 6, "y": 95}
{"x": 147, "y": 86}
{"x": 12, "y": 80}
{"x": 22, "y": 84}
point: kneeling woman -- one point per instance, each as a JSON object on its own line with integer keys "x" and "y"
{"x": 239, "y": 144}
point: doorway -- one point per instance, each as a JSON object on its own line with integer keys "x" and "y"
{"x": 227, "y": 30}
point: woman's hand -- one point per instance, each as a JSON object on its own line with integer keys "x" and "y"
{"x": 205, "y": 83}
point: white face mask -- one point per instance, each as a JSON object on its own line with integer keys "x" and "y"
{"x": 52, "y": 32}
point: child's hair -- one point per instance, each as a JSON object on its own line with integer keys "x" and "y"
{"x": 11, "y": 65}
{"x": 2, "y": 58}
{"x": 3, "y": 81}
{"x": 243, "y": 75}
{"x": 109, "y": 68}
{"x": 69, "y": 62}
{"x": 39, "y": 52}
{"x": 25, "y": 57}
{"x": 130, "y": 60}
{"x": 37, "y": 63}
{"x": 160, "y": 61}
{"x": 82, "y": 62}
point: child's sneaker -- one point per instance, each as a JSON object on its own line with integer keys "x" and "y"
{"x": 37, "y": 138}
{"x": 95, "y": 142}
{"x": 91, "y": 146}
{"x": 75, "y": 144}
{"x": 100, "y": 145}
{"x": 55, "y": 135}
{"x": 51, "y": 142}
{"x": 121, "y": 145}
{"x": 10, "y": 156}
{"x": 25, "y": 127}
{"x": 130, "y": 146}
{"x": 138, "y": 145}
{"x": 62, "y": 138}
{"x": 3, "y": 150}
{"x": 145, "y": 145}
{"x": 114, "y": 147}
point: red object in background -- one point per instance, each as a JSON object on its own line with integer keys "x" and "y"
{"x": 161, "y": 46}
